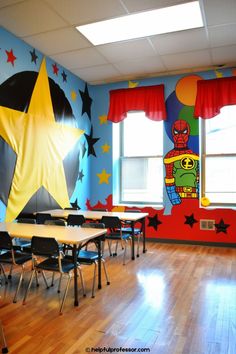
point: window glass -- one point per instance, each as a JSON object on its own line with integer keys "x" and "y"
{"x": 219, "y": 157}
{"x": 140, "y": 160}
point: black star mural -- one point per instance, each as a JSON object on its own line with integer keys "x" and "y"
{"x": 87, "y": 101}
{"x": 221, "y": 227}
{"x": 153, "y": 221}
{"x": 83, "y": 149}
{"x": 64, "y": 76}
{"x": 91, "y": 141}
{"x": 81, "y": 175}
{"x": 75, "y": 205}
{"x": 190, "y": 220}
{"x": 34, "y": 57}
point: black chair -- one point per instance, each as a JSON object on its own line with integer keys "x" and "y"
{"x": 75, "y": 220}
{"x": 115, "y": 233}
{"x": 86, "y": 257}
{"x": 12, "y": 257}
{"x": 138, "y": 231}
{"x": 41, "y": 217}
{"x": 58, "y": 222}
{"x": 53, "y": 261}
{"x": 21, "y": 243}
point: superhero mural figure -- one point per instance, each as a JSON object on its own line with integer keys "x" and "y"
{"x": 182, "y": 166}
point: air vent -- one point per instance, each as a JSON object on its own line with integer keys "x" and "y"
{"x": 207, "y": 224}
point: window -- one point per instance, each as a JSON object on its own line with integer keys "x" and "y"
{"x": 218, "y": 182}
{"x": 140, "y": 166}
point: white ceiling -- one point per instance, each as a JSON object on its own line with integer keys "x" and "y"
{"x": 49, "y": 26}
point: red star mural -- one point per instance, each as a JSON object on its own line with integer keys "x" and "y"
{"x": 10, "y": 57}
{"x": 55, "y": 69}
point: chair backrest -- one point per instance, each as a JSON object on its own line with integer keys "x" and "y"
{"x": 111, "y": 222}
{"x": 41, "y": 217}
{"x": 58, "y": 222}
{"x": 23, "y": 215}
{"x": 95, "y": 225}
{"x": 75, "y": 220}
{"x": 26, "y": 221}
{"x": 44, "y": 246}
{"x": 5, "y": 241}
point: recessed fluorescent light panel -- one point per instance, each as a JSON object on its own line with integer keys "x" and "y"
{"x": 148, "y": 23}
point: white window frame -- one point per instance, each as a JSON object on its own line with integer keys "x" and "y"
{"x": 118, "y": 158}
{"x": 204, "y": 155}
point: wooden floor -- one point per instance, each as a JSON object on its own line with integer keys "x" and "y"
{"x": 173, "y": 299}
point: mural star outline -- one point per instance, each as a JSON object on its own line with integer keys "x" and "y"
{"x": 103, "y": 177}
{"x": 221, "y": 227}
{"x": 10, "y": 57}
{"x": 86, "y": 101}
{"x": 24, "y": 132}
{"x": 91, "y": 141}
{"x": 190, "y": 220}
{"x": 153, "y": 221}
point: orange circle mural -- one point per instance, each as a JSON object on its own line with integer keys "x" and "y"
{"x": 186, "y": 89}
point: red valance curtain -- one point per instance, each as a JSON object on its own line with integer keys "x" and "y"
{"x": 146, "y": 98}
{"x": 214, "y": 94}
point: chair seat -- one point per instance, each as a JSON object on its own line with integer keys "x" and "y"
{"x": 20, "y": 258}
{"x": 129, "y": 230}
{"x": 117, "y": 236}
{"x": 51, "y": 264}
{"x": 87, "y": 256}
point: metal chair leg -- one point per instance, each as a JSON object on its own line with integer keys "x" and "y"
{"x": 3, "y": 339}
{"x": 65, "y": 294}
{"x": 105, "y": 271}
{"x": 19, "y": 284}
{"x": 82, "y": 280}
{"x": 29, "y": 285}
{"x": 94, "y": 279}
{"x": 4, "y": 274}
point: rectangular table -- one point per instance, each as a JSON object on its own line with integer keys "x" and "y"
{"x": 63, "y": 234}
{"x": 97, "y": 215}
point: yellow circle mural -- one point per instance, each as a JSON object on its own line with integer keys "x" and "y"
{"x": 186, "y": 89}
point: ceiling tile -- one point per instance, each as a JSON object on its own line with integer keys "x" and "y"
{"x": 222, "y": 35}
{"x": 224, "y": 55}
{"x": 182, "y": 41}
{"x": 29, "y": 17}
{"x": 116, "y": 52}
{"x": 188, "y": 60}
{"x": 137, "y": 5}
{"x": 80, "y": 59}
{"x": 97, "y": 73}
{"x": 62, "y": 40}
{"x": 78, "y": 12}
{"x": 220, "y": 12}
{"x": 140, "y": 66}
{"x": 4, "y": 3}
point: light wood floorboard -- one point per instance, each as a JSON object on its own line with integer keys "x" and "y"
{"x": 175, "y": 299}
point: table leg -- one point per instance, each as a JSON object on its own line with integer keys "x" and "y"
{"x": 99, "y": 246}
{"x": 133, "y": 241}
{"x": 144, "y": 235}
{"x": 74, "y": 253}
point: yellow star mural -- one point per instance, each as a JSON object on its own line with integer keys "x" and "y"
{"x": 103, "y": 119}
{"x": 73, "y": 95}
{"x": 40, "y": 144}
{"x": 105, "y": 148}
{"x": 133, "y": 84}
{"x": 103, "y": 177}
